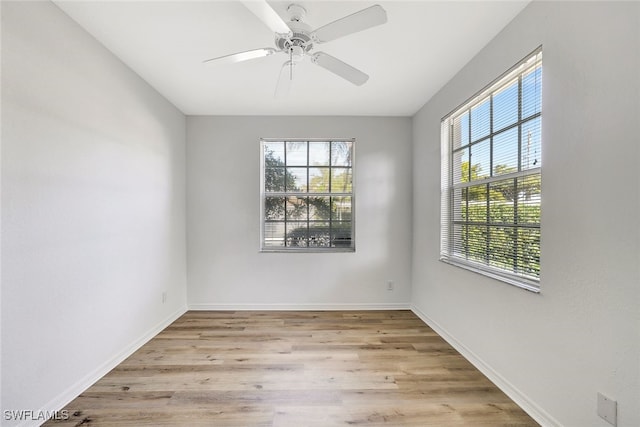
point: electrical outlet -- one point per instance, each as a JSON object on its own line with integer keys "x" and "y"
{"x": 390, "y": 285}
{"x": 607, "y": 409}
{"x": 164, "y": 297}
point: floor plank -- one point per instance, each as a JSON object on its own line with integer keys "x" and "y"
{"x": 280, "y": 369}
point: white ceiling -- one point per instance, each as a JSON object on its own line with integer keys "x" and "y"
{"x": 408, "y": 59}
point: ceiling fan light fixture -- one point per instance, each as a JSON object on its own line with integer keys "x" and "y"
{"x": 297, "y": 54}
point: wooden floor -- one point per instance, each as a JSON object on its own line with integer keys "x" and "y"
{"x": 299, "y": 369}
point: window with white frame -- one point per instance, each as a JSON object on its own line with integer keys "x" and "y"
{"x": 491, "y": 178}
{"x": 307, "y": 195}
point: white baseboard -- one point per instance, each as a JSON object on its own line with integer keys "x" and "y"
{"x": 535, "y": 411}
{"x": 300, "y": 307}
{"x": 76, "y": 389}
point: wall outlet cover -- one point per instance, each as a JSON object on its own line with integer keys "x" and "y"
{"x": 607, "y": 409}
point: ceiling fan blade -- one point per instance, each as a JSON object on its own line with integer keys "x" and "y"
{"x": 340, "y": 68}
{"x": 241, "y": 56}
{"x": 266, "y": 14}
{"x": 366, "y": 18}
{"x": 284, "y": 79}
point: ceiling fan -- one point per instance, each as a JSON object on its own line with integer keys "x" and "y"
{"x": 296, "y": 39}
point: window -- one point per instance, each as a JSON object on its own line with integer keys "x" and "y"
{"x": 491, "y": 181}
{"x": 307, "y": 197}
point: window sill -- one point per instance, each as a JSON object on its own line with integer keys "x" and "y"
{"x": 520, "y": 282}
{"x": 309, "y": 250}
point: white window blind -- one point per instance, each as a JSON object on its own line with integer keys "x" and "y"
{"x": 491, "y": 178}
{"x": 307, "y": 195}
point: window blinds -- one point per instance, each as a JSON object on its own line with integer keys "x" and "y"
{"x": 491, "y": 180}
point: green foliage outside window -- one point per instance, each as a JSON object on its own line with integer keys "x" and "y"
{"x": 308, "y": 205}
{"x": 488, "y": 215}
{"x": 491, "y": 199}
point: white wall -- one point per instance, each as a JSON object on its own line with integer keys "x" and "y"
{"x": 555, "y": 350}
{"x": 225, "y": 268}
{"x": 0, "y": 226}
{"x": 93, "y": 215}
{"x": 93, "y": 209}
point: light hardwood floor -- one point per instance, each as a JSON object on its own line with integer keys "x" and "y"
{"x": 299, "y": 369}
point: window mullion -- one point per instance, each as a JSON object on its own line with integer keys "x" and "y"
{"x": 488, "y": 228}
{"x": 330, "y": 189}
{"x": 506, "y": 176}
{"x": 307, "y": 198}
{"x": 467, "y": 248}
{"x": 286, "y": 197}
{"x": 451, "y": 195}
{"x": 519, "y": 123}
{"x": 516, "y": 253}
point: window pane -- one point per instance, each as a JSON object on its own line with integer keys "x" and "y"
{"x": 461, "y": 166}
{"x": 319, "y": 180}
{"x": 341, "y": 208}
{"x": 531, "y": 144}
{"x": 319, "y": 208}
{"x": 274, "y": 208}
{"x": 461, "y": 131}
{"x": 318, "y": 153}
{"x": 477, "y": 196}
{"x": 341, "y": 180}
{"x": 460, "y": 246}
{"x": 476, "y": 242}
{"x": 505, "y": 106}
{"x": 296, "y": 208}
{"x": 529, "y": 200}
{"x": 341, "y": 153}
{"x": 501, "y": 205}
{"x": 319, "y": 235}
{"x": 274, "y": 154}
{"x": 460, "y": 204}
{"x": 502, "y": 247}
{"x": 296, "y": 234}
{"x": 296, "y": 179}
{"x": 296, "y": 153}
{"x": 274, "y": 234}
{"x": 480, "y": 120}
{"x": 528, "y": 248}
{"x": 274, "y": 179}
{"x": 341, "y": 234}
{"x": 532, "y": 92}
{"x": 505, "y": 152}
{"x": 480, "y": 160}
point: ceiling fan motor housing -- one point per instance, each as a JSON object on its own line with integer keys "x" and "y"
{"x": 299, "y": 41}
{"x": 296, "y": 12}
